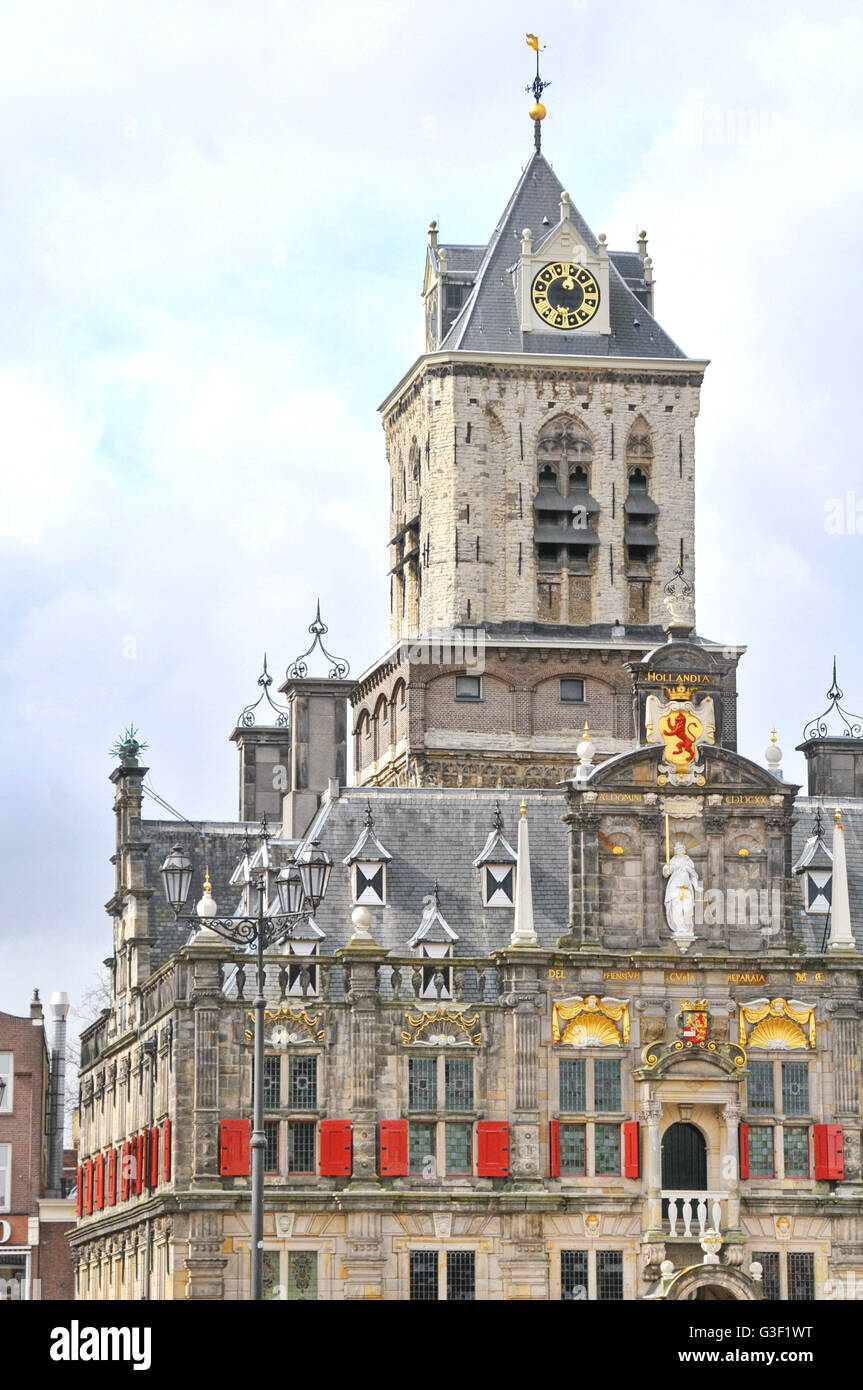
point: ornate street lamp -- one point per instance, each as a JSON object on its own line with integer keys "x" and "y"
{"x": 299, "y": 890}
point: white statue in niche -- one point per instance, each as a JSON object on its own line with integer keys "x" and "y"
{"x": 680, "y": 892}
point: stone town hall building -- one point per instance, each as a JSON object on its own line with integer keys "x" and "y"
{"x": 579, "y": 1016}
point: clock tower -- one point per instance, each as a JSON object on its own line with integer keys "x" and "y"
{"x": 541, "y": 457}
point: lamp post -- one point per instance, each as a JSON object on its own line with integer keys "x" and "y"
{"x": 263, "y": 919}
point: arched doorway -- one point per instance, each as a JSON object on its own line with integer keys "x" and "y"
{"x": 684, "y": 1159}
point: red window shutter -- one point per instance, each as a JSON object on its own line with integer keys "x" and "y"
{"x": 112, "y": 1178}
{"x": 88, "y": 1187}
{"x": 554, "y": 1148}
{"x": 79, "y": 1203}
{"x": 743, "y": 1146}
{"x": 335, "y": 1148}
{"x": 828, "y": 1146}
{"x": 125, "y": 1169}
{"x": 154, "y": 1156}
{"x": 630, "y": 1148}
{"x": 234, "y": 1151}
{"x": 394, "y": 1148}
{"x": 139, "y": 1163}
{"x": 492, "y": 1149}
{"x": 166, "y": 1150}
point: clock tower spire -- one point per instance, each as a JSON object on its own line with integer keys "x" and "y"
{"x": 537, "y": 112}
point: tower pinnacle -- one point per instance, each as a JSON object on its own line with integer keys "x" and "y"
{"x": 537, "y": 112}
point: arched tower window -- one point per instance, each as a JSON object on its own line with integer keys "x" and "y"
{"x": 640, "y": 512}
{"x": 564, "y": 512}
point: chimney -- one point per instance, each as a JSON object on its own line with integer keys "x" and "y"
{"x": 318, "y": 737}
{"x": 317, "y": 709}
{"x": 263, "y": 741}
{"x": 56, "y": 1118}
{"x": 833, "y": 748}
{"x": 36, "y": 1009}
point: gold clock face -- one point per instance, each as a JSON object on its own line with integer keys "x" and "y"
{"x": 565, "y": 295}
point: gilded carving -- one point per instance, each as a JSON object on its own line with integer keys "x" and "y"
{"x": 588, "y": 1021}
{"x": 779, "y": 1023}
{"x": 441, "y": 1025}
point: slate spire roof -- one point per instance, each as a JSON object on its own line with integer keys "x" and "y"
{"x": 489, "y": 319}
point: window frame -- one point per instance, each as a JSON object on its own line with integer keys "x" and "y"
{"x": 311, "y": 1058}
{"x": 302, "y": 1172}
{"x": 572, "y": 680}
{"x": 771, "y": 1130}
{"x": 7, "y": 1104}
{"x": 469, "y": 699}
{"x": 6, "y": 1169}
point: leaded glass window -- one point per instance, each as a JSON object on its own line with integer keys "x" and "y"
{"x": 609, "y": 1275}
{"x": 761, "y": 1151}
{"x": 460, "y": 1276}
{"x": 271, "y": 1152}
{"x": 795, "y": 1088}
{"x": 769, "y": 1261}
{"x": 607, "y": 1148}
{"x": 606, "y": 1084}
{"x": 760, "y": 1087}
{"x": 801, "y": 1276}
{"x": 422, "y": 1083}
{"x": 272, "y": 1277}
{"x": 421, "y": 1150}
{"x": 301, "y": 1146}
{"x": 303, "y": 1275}
{"x": 573, "y": 1274}
{"x": 459, "y": 1149}
{"x": 423, "y": 1275}
{"x": 302, "y": 1083}
{"x": 272, "y": 1083}
{"x": 572, "y": 1085}
{"x": 572, "y": 1149}
{"x": 796, "y": 1145}
{"x": 459, "y": 1083}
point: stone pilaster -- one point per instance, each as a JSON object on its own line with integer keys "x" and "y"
{"x": 206, "y": 1000}
{"x": 205, "y": 1261}
{"x": 363, "y": 959}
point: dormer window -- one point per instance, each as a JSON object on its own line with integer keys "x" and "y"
{"x": 434, "y": 940}
{"x": 369, "y": 885}
{"x": 814, "y": 868}
{"x": 496, "y": 863}
{"x": 368, "y": 861}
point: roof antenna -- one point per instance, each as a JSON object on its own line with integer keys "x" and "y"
{"x": 537, "y": 112}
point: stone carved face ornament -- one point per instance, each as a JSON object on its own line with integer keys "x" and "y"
{"x": 682, "y": 727}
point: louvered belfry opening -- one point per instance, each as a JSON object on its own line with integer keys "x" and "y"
{"x": 565, "y": 516}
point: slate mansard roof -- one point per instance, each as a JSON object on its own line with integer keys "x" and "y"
{"x": 435, "y": 835}
{"x": 489, "y": 319}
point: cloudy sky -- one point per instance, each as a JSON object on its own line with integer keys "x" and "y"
{"x": 213, "y": 229}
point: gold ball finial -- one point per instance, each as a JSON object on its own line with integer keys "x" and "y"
{"x": 523, "y": 807}
{"x": 837, "y": 816}
{"x": 207, "y": 884}
{"x": 537, "y": 112}
{"x": 773, "y": 734}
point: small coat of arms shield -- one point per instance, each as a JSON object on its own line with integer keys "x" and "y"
{"x": 694, "y": 1025}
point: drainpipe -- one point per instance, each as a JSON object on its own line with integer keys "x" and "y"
{"x": 56, "y": 1122}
